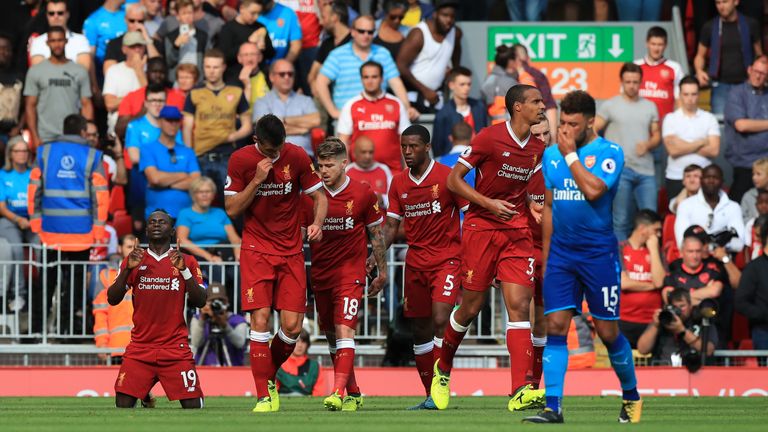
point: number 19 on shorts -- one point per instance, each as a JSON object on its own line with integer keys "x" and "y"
{"x": 190, "y": 379}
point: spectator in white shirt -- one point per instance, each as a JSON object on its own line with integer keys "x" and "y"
{"x": 712, "y": 209}
{"x": 126, "y": 76}
{"x": 691, "y": 185}
{"x": 77, "y": 48}
{"x": 691, "y": 136}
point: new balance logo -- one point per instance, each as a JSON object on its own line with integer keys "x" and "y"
{"x": 505, "y": 154}
{"x": 143, "y": 267}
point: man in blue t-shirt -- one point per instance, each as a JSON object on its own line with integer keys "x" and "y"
{"x": 169, "y": 167}
{"x": 580, "y": 251}
{"x": 284, "y": 29}
{"x": 106, "y": 23}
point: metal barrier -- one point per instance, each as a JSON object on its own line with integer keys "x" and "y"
{"x": 58, "y": 295}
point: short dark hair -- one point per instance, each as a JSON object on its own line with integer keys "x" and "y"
{"x": 159, "y": 61}
{"x": 692, "y": 167}
{"x": 461, "y": 131}
{"x": 457, "y": 71}
{"x": 646, "y": 217}
{"x": 371, "y": 63}
{"x": 270, "y": 129}
{"x": 689, "y": 79}
{"x": 419, "y": 131}
{"x": 154, "y": 88}
{"x": 504, "y": 55}
{"x": 74, "y": 124}
{"x": 163, "y": 212}
{"x": 656, "y": 31}
{"x": 679, "y": 294}
{"x": 395, "y": 4}
{"x": 515, "y": 94}
{"x": 57, "y": 1}
{"x": 339, "y": 8}
{"x": 214, "y": 53}
{"x": 715, "y": 167}
{"x": 762, "y": 225}
{"x": 57, "y": 29}
{"x": 578, "y": 102}
{"x": 630, "y": 67}
{"x": 332, "y": 147}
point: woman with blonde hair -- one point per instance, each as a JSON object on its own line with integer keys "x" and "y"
{"x": 201, "y": 228}
{"x": 14, "y": 214}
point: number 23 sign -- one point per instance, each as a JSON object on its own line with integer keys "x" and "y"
{"x": 572, "y": 57}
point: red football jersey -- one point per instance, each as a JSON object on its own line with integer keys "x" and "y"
{"x": 638, "y": 306}
{"x": 660, "y": 84}
{"x": 272, "y": 222}
{"x": 536, "y": 192}
{"x": 382, "y": 120}
{"x": 339, "y": 258}
{"x": 504, "y": 167}
{"x": 158, "y": 300}
{"x": 378, "y": 177}
{"x": 431, "y": 214}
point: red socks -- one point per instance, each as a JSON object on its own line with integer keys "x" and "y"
{"x": 261, "y": 362}
{"x": 282, "y": 348}
{"x": 520, "y": 352}
{"x": 352, "y": 387}
{"x": 454, "y": 334}
{"x": 425, "y": 360}
{"x": 343, "y": 365}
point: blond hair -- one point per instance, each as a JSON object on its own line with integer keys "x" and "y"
{"x": 200, "y": 182}
{"x": 13, "y": 142}
{"x": 761, "y": 164}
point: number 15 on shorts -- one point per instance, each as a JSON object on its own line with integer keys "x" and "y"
{"x": 610, "y": 298}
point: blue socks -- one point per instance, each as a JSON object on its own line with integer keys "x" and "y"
{"x": 620, "y": 354}
{"x": 555, "y": 359}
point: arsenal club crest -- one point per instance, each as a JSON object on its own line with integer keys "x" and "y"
{"x": 589, "y": 161}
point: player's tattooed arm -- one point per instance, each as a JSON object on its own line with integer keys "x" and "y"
{"x": 389, "y": 232}
{"x": 376, "y": 236}
{"x": 116, "y": 291}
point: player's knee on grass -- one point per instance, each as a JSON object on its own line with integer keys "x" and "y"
{"x": 195, "y": 403}
{"x": 123, "y": 400}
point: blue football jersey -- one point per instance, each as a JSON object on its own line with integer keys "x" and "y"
{"x": 576, "y": 222}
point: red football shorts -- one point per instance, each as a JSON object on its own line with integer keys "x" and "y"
{"x": 273, "y": 281}
{"x": 174, "y": 367}
{"x": 506, "y": 255}
{"x": 538, "y": 278}
{"x": 424, "y": 287}
{"x": 339, "y": 306}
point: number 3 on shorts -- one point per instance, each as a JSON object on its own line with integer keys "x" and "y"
{"x": 448, "y": 285}
{"x": 531, "y": 262}
{"x": 190, "y": 379}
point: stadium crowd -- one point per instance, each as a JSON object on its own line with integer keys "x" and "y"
{"x": 153, "y": 97}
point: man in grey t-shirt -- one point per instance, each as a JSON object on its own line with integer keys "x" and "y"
{"x": 633, "y": 123}
{"x": 54, "y": 89}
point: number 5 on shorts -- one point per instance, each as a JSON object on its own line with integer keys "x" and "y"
{"x": 448, "y": 285}
{"x": 190, "y": 379}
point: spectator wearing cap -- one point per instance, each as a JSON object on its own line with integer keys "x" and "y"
{"x": 103, "y": 25}
{"x": 54, "y": 89}
{"x": 711, "y": 209}
{"x": 746, "y": 126}
{"x": 431, "y": 48}
{"x": 77, "y": 48}
{"x": 126, "y": 76}
{"x": 297, "y": 111}
{"x": 135, "y": 17}
{"x": 187, "y": 43}
{"x": 170, "y": 167}
{"x": 218, "y": 336}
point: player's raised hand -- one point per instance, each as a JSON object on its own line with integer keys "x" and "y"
{"x": 314, "y": 233}
{"x": 135, "y": 257}
{"x": 536, "y": 210}
{"x": 262, "y": 170}
{"x": 566, "y": 141}
{"x": 503, "y": 210}
{"x": 377, "y": 285}
{"x": 177, "y": 258}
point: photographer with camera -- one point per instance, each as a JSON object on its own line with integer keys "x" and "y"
{"x": 675, "y": 335}
{"x": 218, "y": 337}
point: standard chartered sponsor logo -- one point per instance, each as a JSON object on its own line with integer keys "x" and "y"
{"x": 349, "y": 223}
{"x": 423, "y": 209}
{"x": 338, "y": 224}
{"x": 158, "y": 283}
{"x": 271, "y": 189}
{"x": 514, "y": 172}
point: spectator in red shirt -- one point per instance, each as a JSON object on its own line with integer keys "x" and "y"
{"x": 642, "y": 275}
{"x": 132, "y": 105}
{"x": 366, "y": 170}
{"x": 377, "y": 114}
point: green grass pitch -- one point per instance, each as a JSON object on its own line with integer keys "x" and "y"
{"x": 477, "y": 414}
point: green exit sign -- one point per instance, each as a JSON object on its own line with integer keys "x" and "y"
{"x": 566, "y": 44}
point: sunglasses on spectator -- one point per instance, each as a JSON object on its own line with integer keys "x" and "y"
{"x": 54, "y": 13}
{"x": 134, "y": 21}
{"x": 284, "y": 74}
{"x": 364, "y": 31}
{"x": 172, "y": 153}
